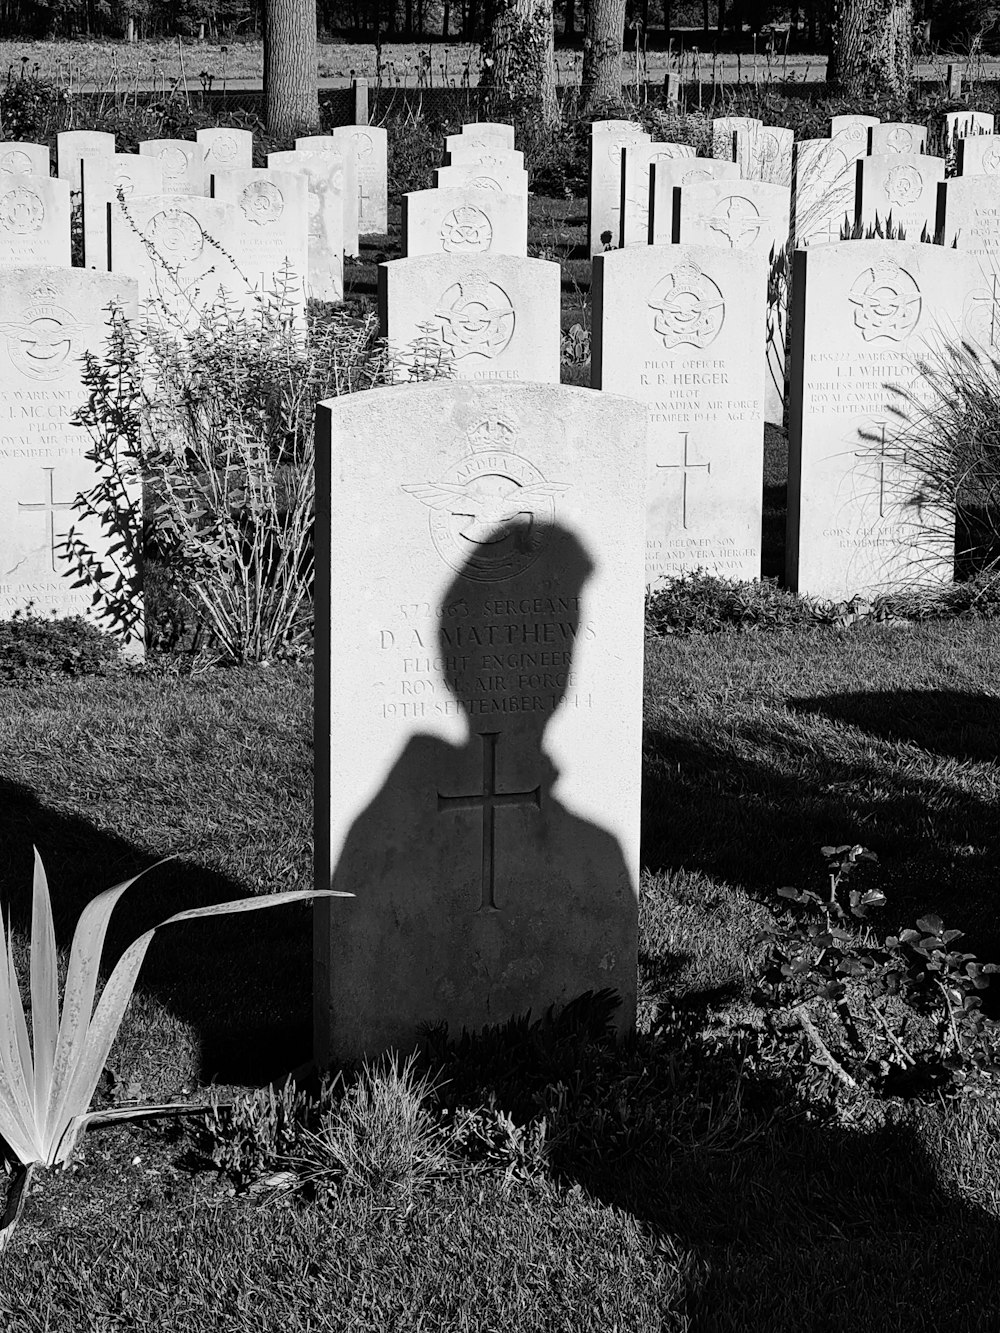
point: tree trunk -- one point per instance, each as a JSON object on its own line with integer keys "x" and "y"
{"x": 704, "y": 17}
{"x": 569, "y": 21}
{"x": 871, "y": 52}
{"x": 602, "y": 54}
{"x": 445, "y": 18}
{"x": 518, "y": 77}
{"x": 291, "y": 94}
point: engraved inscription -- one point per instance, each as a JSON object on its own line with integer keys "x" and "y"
{"x": 899, "y": 140}
{"x": 49, "y": 508}
{"x": 175, "y": 162}
{"x": 492, "y": 512}
{"x": 224, "y": 148}
{"x": 982, "y": 315}
{"x": 903, "y": 185}
{"x": 41, "y": 344}
{"x": 881, "y": 453}
{"x": 466, "y": 231}
{"x": 737, "y": 220}
{"x": 16, "y": 161}
{"x": 688, "y": 308}
{"x": 21, "y": 211}
{"x": 477, "y": 317}
{"x": 686, "y": 467}
{"x": 488, "y": 800}
{"x": 262, "y": 203}
{"x": 887, "y": 302}
{"x": 178, "y": 235}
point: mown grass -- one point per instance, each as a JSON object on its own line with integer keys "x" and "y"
{"x": 743, "y": 1207}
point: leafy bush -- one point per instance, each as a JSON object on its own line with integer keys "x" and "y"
{"x": 29, "y": 105}
{"x": 901, "y": 1015}
{"x": 34, "y": 648}
{"x": 702, "y": 603}
{"x": 214, "y": 412}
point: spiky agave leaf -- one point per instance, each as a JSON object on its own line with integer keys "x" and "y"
{"x": 84, "y": 1070}
{"x": 44, "y": 969}
{"x": 17, "y": 1121}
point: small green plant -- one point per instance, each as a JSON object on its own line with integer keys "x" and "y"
{"x": 47, "y": 1080}
{"x": 901, "y": 1015}
{"x": 34, "y": 647}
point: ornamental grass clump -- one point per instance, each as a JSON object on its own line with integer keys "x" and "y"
{"x": 47, "y": 1078}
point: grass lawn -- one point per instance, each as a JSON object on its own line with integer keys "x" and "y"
{"x": 742, "y": 1209}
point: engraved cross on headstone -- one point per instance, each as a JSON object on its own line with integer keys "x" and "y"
{"x": 49, "y": 507}
{"x": 686, "y": 467}
{"x": 489, "y": 798}
{"x": 993, "y": 301}
{"x": 882, "y": 453}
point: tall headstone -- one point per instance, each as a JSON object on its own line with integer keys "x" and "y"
{"x": 186, "y": 252}
{"x": 823, "y": 190}
{"x": 898, "y": 190}
{"x": 864, "y": 312}
{"x": 665, "y": 177}
{"x": 51, "y": 317}
{"x": 503, "y": 180}
{"x": 752, "y": 217}
{"x": 183, "y": 162}
{"x": 969, "y": 223}
{"x": 34, "y": 220}
{"x": 22, "y": 159}
{"x": 478, "y": 707}
{"x": 492, "y": 132}
{"x": 102, "y": 177}
{"x": 978, "y": 155}
{"x": 492, "y": 318}
{"x": 853, "y": 129}
{"x": 897, "y": 137}
{"x": 272, "y": 232}
{"x": 72, "y": 145}
{"x": 350, "y": 189}
{"x": 323, "y": 174}
{"x": 604, "y": 196}
{"x": 725, "y": 130}
{"x": 369, "y": 146}
{"x": 772, "y": 162}
{"x": 636, "y": 185}
{"x": 463, "y": 222}
{"x": 467, "y": 154}
{"x": 226, "y": 149}
{"x": 671, "y": 328}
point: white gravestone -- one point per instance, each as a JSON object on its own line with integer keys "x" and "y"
{"x": 101, "y": 178}
{"x": 272, "y": 224}
{"x": 463, "y": 154}
{"x": 894, "y": 136}
{"x": 864, "y": 312}
{"x": 978, "y": 155}
{"x": 898, "y": 190}
{"x": 604, "y": 195}
{"x": 492, "y": 318}
{"x": 226, "y": 149}
{"x": 823, "y": 190}
{"x": 185, "y": 252}
{"x": 495, "y": 133}
{"x": 749, "y": 216}
{"x": 666, "y": 177}
{"x": 369, "y": 146}
{"x": 503, "y": 180}
{"x": 34, "y": 220}
{"x": 72, "y": 145}
{"x": 969, "y": 219}
{"x": 324, "y": 177}
{"x": 636, "y": 185}
{"x": 463, "y": 222}
{"x": 672, "y": 327}
{"x": 350, "y": 191}
{"x": 772, "y": 162}
{"x": 724, "y": 135}
{"x": 478, "y": 707}
{"x": 963, "y": 124}
{"x": 23, "y": 159}
{"x": 854, "y": 128}
{"x": 50, "y": 318}
{"x": 183, "y": 162}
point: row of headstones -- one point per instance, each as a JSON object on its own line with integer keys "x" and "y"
{"x": 305, "y": 209}
{"x": 673, "y": 329}
{"x": 864, "y": 171}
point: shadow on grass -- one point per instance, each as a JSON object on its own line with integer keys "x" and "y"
{"x": 959, "y": 723}
{"x": 242, "y": 982}
{"x": 751, "y": 802}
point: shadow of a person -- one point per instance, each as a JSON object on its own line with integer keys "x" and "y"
{"x": 478, "y": 894}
